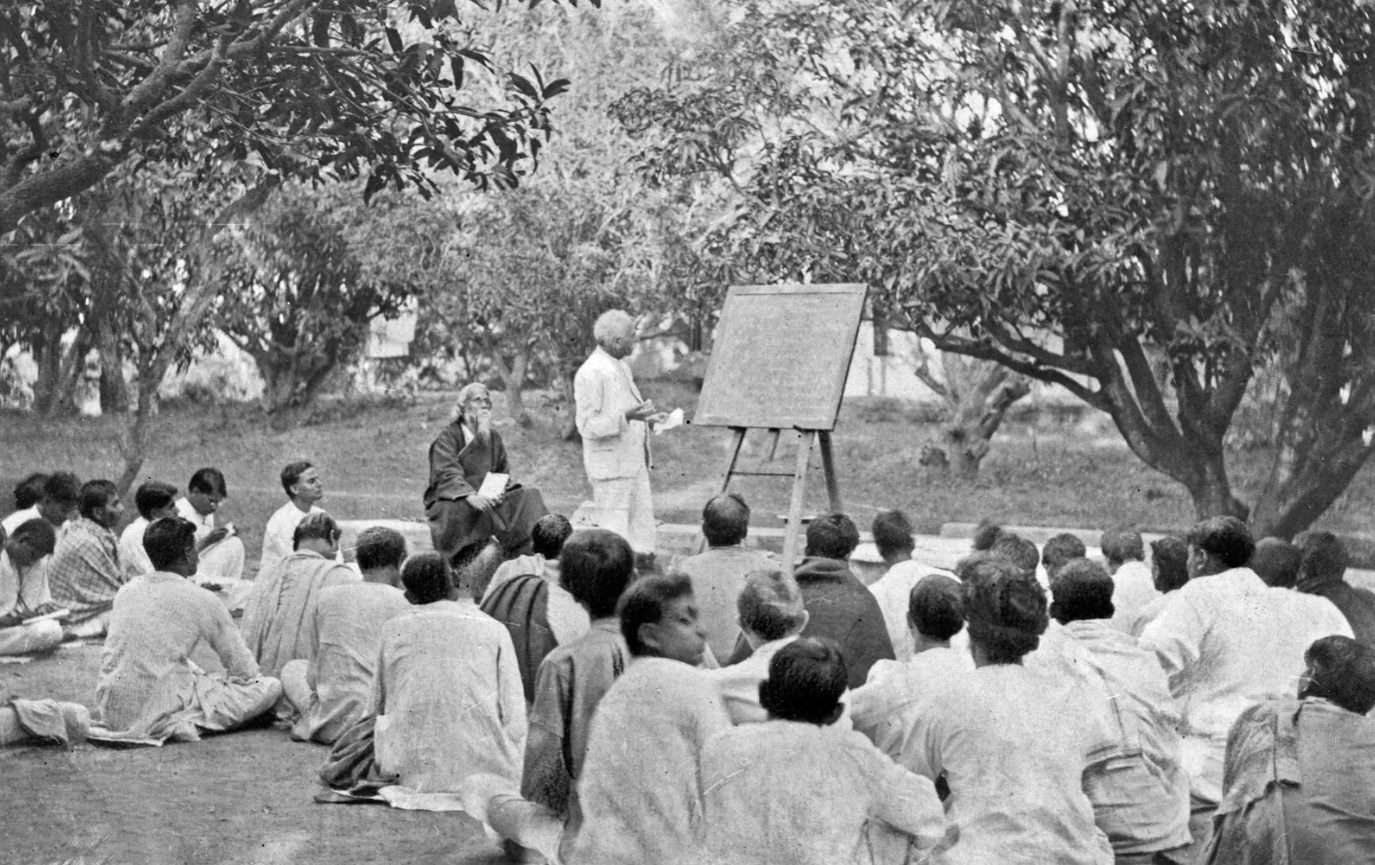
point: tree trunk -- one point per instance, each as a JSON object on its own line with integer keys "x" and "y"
{"x": 114, "y": 390}
{"x": 59, "y": 374}
{"x": 977, "y": 416}
{"x": 513, "y": 378}
{"x": 568, "y": 431}
{"x": 133, "y": 442}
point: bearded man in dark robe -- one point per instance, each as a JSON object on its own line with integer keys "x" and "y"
{"x": 462, "y": 521}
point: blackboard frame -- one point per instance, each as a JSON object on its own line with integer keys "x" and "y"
{"x": 729, "y": 398}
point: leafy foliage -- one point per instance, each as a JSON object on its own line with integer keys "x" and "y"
{"x": 1141, "y": 202}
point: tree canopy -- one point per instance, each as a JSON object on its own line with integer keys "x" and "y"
{"x": 1141, "y": 202}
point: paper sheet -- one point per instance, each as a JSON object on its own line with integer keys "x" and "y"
{"x": 674, "y": 419}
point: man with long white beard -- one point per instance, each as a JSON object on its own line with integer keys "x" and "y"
{"x": 462, "y": 519}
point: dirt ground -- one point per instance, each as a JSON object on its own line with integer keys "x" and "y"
{"x": 242, "y": 798}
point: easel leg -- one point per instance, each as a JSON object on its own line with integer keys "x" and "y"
{"x": 804, "y": 450}
{"x": 828, "y": 466}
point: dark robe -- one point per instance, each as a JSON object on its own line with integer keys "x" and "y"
{"x": 842, "y": 609}
{"x": 456, "y": 472}
{"x": 522, "y": 605}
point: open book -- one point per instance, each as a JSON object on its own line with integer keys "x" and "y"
{"x": 493, "y": 485}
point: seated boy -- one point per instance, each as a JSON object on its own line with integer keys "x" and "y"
{"x": 154, "y": 501}
{"x": 24, "y": 590}
{"x": 148, "y": 690}
{"x": 762, "y": 804}
{"x": 447, "y": 693}
{"x": 221, "y": 550}
{"x": 638, "y": 804}
{"x": 85, "y": 572}
{"x": 771, "y": 615}
{"x": 331, "y": 690}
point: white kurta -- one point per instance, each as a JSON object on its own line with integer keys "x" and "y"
{"x": 1228, "y": 641}
{"x": 222, "y": 561}
{"x": 893, "y": 591}
{"x": 277, "y": 543}
{"x": 448, "y": 700}
{"x": 1133, "y": 587}
{"x": 1014, "y": 745}
{"x": 615, "y": 450}
{"x": 739, "y": 683}
{"x": 18, "y": 518}
{"x": 764, "y": 806}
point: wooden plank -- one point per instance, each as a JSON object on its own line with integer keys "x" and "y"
{"x": 804, "y": 450}
{"x": 829, "y": 469}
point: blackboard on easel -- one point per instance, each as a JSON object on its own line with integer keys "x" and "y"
{"x": 779, "y": 362}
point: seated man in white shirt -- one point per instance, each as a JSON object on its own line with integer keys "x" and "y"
{"x": 27, "y": 494}
{"x": 58, "y": 503}
{"x": 1134, "y": 586}
{"x": 892, "y": 532}
{"x": 302, "y": 484}
{"x": 154, "y": 500}
{"x": 1060, "y": 551}
{"x": 771, "y": 614}
{"x": 221, "y": 550}
{"x": 763, "y": 805}
{"x": 24, "y": 590}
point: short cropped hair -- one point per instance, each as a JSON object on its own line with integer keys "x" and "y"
{"x": 726, "y": 520}
{"x": 549, "y": 533}
{"x": 64, "y": 488}
{"x": 1061, "y": 549}
{"x": 832, "y": 536}
{"x": 986, "y": 534}
{"x": 645, "y": 602}
{"x": 770, "y": 604}
{"x": 1082, "y": 590}
{"x": 609, "y": 322}
{"x": 37, "y": 534}
{"x": 1277, "y": 562}
{"x": 153, "y": 496}
{"x": 892, "y": 532}
{"x": 96, "y": 495}
{"x": 1225, "y": 539}
{"x": 596, "y": 565}
{"x": 29, "y": 491}
{"x": 1004, "y": 608}
{"x": 1122, "y": 544}
{"x": 167, "y": 540}
{"x": 427, "y": 577}
{"x": 317, "y": 525}
{"x": 1324, "y": 558}
{"x": 806, "y": 680}
{"x": 935, "y": 607}
{"x": 292, "y": 473}
{"x": 1170, "y": 559}
{"x": 1018, "y": 550}
{"x": 1343, "y": 671}
{"x": 209, "y": 480}
{"x": 379, "y": 547}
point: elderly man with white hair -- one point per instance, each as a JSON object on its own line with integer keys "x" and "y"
{"x": 613, "y": 420}
{"x": 462, "y": 519}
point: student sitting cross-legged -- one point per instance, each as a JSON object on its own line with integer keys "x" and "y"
{"x": 149, "y": 691}
{"x": 762, "y": 804}
{"x": 447, "y": 692}
{"x": 331, "y": 691}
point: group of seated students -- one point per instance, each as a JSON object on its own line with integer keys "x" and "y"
{"x": 1030, "y": 706}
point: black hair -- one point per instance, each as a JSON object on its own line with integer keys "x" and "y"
{"x": 549, "y": 533}
{"x": 725, "y": 520}
{"x": 292, "y": 473}
{"x": 770, "y": 604}
{"x": 806, "y": 680}
{"x": 1324, "y": 558}
{"x": 1170, "y": 559}
{"x": 935, "y": 607}
{"x": 153, "y": 496}
{"x": 1122, "y": 544}
{"x": 63, "y": 488}
{"x": 29, "y": 491}
{"x": 1061, "y": 549}
{"x": 832, "y": 536}
{"x": 1018, "y": 550}
{"x": 37, "y": 534}
{"x": 1277, "y": 562}
{"x": 986, "y": 534}
{"x": 645, "y": 602}
{"x": 892, "y": 532}
{"x": 1081, "y": 590}
{"x": 96, "y": 495}
{"x": 379, "y": 547}
{"x": 209, "y": 480}
{"x": 1004, "y": 608}
{"x": 316, "y": 525}
{"x": 427, "y": 577}
{"x": 1343, "y": 671}
{"x": 595, "y": 566}
{"x": 167, "y": 540}
{"x": 1225, "y": 539}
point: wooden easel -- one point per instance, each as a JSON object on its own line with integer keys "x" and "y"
{"x": 806, "y": 438}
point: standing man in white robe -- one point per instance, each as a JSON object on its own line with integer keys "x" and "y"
{"x": 613, "y": 421}
{"x": 304, "y": 487}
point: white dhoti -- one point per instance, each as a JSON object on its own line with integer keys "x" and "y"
{"x": 30, "y": 638}
{"x": 624, "y": 506}
{"x": 223, "y": 560}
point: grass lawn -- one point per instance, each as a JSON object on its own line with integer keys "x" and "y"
{"x": 373, "y": 457}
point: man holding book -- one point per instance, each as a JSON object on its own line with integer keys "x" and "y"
{"x": 471, "y": 499}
